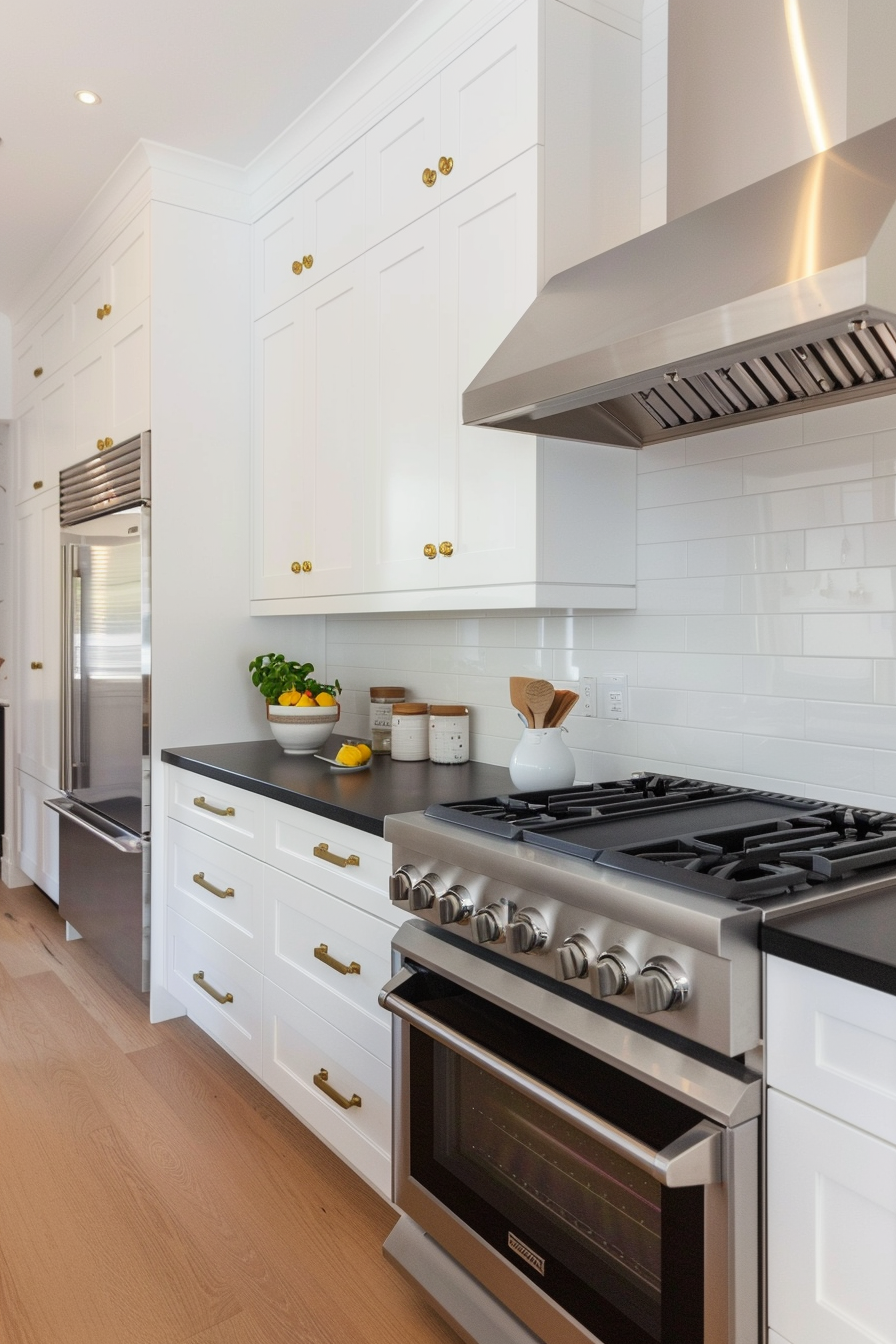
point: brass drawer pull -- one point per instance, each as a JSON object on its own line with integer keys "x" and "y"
{"x": 320, "y": 1080}
{"x": 218, "y": 811}
{"x": 322, "y": 851}
{"x": 38, "y": 485}
{"x": 199, "y": 977}
{"x": 36, "y": 667}
{"x": 37, "y": 372}
{"x": 321, "y": 953}
{"x": 199, "y": 879}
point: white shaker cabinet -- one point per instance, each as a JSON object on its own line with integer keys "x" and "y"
{"x": 36, "y": 535}
{"x": 37, "y": 833}
{"x": 399, "y": 150}
{"x": 110, "y": 387}
{"x": 308, "y": 396}
{"x": 401, "y": 409}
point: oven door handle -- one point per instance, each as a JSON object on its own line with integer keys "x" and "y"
{"x": 693, "y": 1159}
{"x": 117, "y": 838}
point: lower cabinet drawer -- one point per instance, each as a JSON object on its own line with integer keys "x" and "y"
{"x": 339, "y": 1089}
{"x": 342, "y": 860}
{"x": 317, "y": 947}
{"x": 221, "y": 992}
{"x": 218, "y": 889}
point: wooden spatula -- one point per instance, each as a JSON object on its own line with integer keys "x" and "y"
{"x": 518, "y": 698}
{"x": 539, "y": 696}
{"x": 565, "y": 708}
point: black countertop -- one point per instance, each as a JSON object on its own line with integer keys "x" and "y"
{"x": 361, "y": 799}
{"x": 854, "y": 939}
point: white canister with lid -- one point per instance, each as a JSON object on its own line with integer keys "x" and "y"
{"x": 449, "y": 734}
{"x": 382, "y": 699}
{"x": 410, "y": 732}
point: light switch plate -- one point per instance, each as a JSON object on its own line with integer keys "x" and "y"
{"x": 613, "y": 696}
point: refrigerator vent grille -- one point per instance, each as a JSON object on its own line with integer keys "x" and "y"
{"x": 116, "y": 480}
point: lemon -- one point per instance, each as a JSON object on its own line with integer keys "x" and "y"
{"x": 365, "y": 751}
{"x": 305, "y": 701}
{"x": 325, "y": 699}
{"x": 285, "y": 698}
{"x": 348, "y": 755}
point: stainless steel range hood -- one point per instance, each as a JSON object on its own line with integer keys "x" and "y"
{"x": 778, "y": 298}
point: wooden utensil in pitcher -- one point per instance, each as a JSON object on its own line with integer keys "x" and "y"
{"x": 539, "y": 696}
{"x": 518, "y": 698}
{"x": 567, "y": 705}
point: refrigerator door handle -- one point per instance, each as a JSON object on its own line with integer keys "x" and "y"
{"x": 121, "y": 841}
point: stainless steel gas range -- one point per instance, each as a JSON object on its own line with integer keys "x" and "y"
{"x": 578, "y": 1012}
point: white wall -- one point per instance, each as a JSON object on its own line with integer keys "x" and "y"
{"x": 654, "y": 112}
{"x": 763, "y": 649}
{"x": 5, "y": 367}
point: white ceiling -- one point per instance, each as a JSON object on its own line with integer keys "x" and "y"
{"x": 215, "y": 79}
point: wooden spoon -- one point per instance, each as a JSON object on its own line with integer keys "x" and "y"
{"x": 518, "y": 698}
{"x": 539, "y": 696}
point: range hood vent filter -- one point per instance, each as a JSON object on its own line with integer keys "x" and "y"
{"x": 865, "y": 355}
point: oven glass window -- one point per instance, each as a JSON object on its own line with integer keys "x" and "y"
{"x": 594, "y": 1210}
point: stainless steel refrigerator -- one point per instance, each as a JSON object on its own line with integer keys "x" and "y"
{"x": 104, "y": 818}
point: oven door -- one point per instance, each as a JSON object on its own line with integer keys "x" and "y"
{"x": 593, "y": 1205}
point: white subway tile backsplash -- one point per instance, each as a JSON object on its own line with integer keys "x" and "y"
{"x": 687, "y": 485}
{"x": 873, "y": 416}
{"x": 742, "y": 440}
{"x": 661, "y": 456}
{"x": 639, "y": 632}
{"x": 809, "y": 464}
{"x": 764, "y": 714}
{"x": 866, "y": 636}
{"x": 668, "y": 560}
{"x": 698, "y": 594}
{"x": 777, "y": 551}
{"x": 853, "y": 725}
{"x": 744, "y": 634}
{"x": 571, "y": 664}
{"x": 880, "y": 543}
{"x": 710, "y": 518}
{"x": 837, "y": 547}
{"x": 821, "y": 590}
{"x": 648, "y": 705}
{"x": 691, "y": 671}
{"x": 885, "y": 681}
{"x": 885, "y": 453}
{"x": 810, "y": 678}
{"x": 515, "y": 662}
{"x": 705, "y": 749}
{"x": 821, "y": 506}
{"x": 834, "y": 768}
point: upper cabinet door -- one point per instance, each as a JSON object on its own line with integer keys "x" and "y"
{"x": 28, "y": 451}
{"x": 91, "y": 400}
{"x": 27, "y": 368}
{"x": 128, "y": 356}
{"x": 278, "y": 545}
{"x": 400, "y": 150}
{"x": 333, "y": 230}
{"x": 402, "y": 410}
{"x": 127, "y": 279}
{"x": 331, "y": 505}
{"x": 277, "y": 266}
{"x": 490, "y": 102}
{"x": 489, "y": 273}
{"x": 86, "y": 305}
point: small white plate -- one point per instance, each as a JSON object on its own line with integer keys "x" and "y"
{"x": 340, "y": 768}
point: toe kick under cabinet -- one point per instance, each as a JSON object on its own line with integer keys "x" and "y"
{"x": 278, "y": 942}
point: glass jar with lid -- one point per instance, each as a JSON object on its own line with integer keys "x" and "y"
{"x": 410, "y": 732}
{"x": 382, "y": 698}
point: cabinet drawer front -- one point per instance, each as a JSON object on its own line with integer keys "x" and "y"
{"x": 832, "y": 1229}
{"x": 306, "y": 931}
{"x": 291, "y": 838}
{"x": 832, "y": 1043}
{"x": 489, "y": 101}
{"x": 237, "y": 1024}
{"x": 398, "y": 150}
{"x": 232, "y": 815}
{"x": 233, "y": 917}
{"x": 276, "y": 243}
{"x": 299, "y": 1045}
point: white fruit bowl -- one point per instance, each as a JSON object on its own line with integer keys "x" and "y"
{"x": 302, "y": 731}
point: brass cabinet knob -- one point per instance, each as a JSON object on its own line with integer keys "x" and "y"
{"x": 100, "y": 444}
{"x": 297, "y": 268}
{"x": 445, "y": 165}
{"x": 100, "y": 314}
{"x": 36, "y": 667}
{"x": 104, "y": 311}
{"x": 308, "y": 261}
{"x": 38, "y": 371}
{"x": 304, "y": 265}
{"x": 107, "y": 443}
{"x": 306, "y": 566}
{"x": 296, "y": 566}
{"x": 429, "y": 177}
{"x": 430, "y": 551}
{"x": 446, "y": 548}
{"x": 38, "y": 485}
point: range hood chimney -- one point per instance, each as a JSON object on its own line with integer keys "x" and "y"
{"x": 778, "y": 298}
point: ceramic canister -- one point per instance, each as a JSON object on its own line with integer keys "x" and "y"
{"x": 449, "y": 734}
{"x": 410, "y": 732}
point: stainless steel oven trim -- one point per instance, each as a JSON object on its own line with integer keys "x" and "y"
{"x": 724, "y": 1097}
{"x": 731, "y": 1234}
{"x": 693, "y": 1159}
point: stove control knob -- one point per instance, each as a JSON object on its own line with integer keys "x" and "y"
{"x": 574, "y": 957}
{"x": 456, "y": 905}
{"x": 613, "y": 973}
{"x": 526, "y": 932}
{"x": 400, "y": 883}
{"x": 487, "y": 925}
{"x": 424, "y": 892}
{"x": 662, "y": 986}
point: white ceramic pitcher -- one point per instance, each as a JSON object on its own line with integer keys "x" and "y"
{"x": 542, "y": 760}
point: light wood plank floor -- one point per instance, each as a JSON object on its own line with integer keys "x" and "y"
{"x": 151, "y": 1192}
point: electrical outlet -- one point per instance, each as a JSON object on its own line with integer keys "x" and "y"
{"x": 588, "y": 692}
{"x": 613, "y": 695}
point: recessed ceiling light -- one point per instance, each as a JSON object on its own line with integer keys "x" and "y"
{"x": 87, "y": 96}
